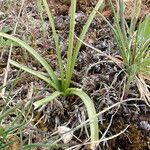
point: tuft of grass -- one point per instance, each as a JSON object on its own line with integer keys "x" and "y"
{"x": 61, "y": 85}
{"x": 9, "y": 132}
{"x": 133, "y": 41}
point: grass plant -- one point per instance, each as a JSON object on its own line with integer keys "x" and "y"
{"x": 61, "y": 85}
{"x": 10, "y": 128}
{"x": 133, "y": 41}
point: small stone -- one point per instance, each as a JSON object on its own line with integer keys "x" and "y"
{"x": 1, "y": 13}
{"x": 65, "y": 133}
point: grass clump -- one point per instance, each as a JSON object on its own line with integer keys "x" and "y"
{"x": 11, "y": 128}
{"x": 133, "y": 41}
{"x": 61, "y": 85}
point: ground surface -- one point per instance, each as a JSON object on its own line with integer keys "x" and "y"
{"x": 101, "y": 78}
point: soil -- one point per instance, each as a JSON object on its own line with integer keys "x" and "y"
{"x": 101, "y": 78}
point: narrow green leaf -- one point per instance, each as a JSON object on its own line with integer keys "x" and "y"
{"x": 143, "y": 49}
{"x": 122, "y": 47}
{"x": 4, "y": 145}
{"x": 144, "y": 29}
{"x": 35, "y": 54}
{"x": 35, "y": 73}
{"x": 119, "y": 37}
{"x": 133, "y": 44}
{"x": 130, "y": 79}
{"x": 85, "y": 29}
{"x": 2, "y": 130}
{"x": 82, "y": 36}
{"x": 4, "y": 42}
{"x": 91, "y": 113}
{"x": 145, "y": 63}
{"x": 7, "y": 112}
{"x": 144, "y": 71}
{"x": 135, "y": 16}
{"x": 122, "y": 20}
{"x": 55, "y": 36}
{"x": 71, "y": 41}
{"x": 47, "y": 99}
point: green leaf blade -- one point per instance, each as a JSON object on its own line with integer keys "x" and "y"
{"x": 55, "y": 36}
{"x": 82, "y": 36}
{"x": 33, "y": 72}
{"x": 71, "y": 41}
{"x": 144, "y": 29}
{"x": 91, "y": 113}
{"x": 47, "y": 99}
{"x": 35, "y": 54}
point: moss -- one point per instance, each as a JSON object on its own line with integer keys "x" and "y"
{"x": 139, "y": 142}
{"x": 133, "y": 139}
{"x": 40, "y": 122}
